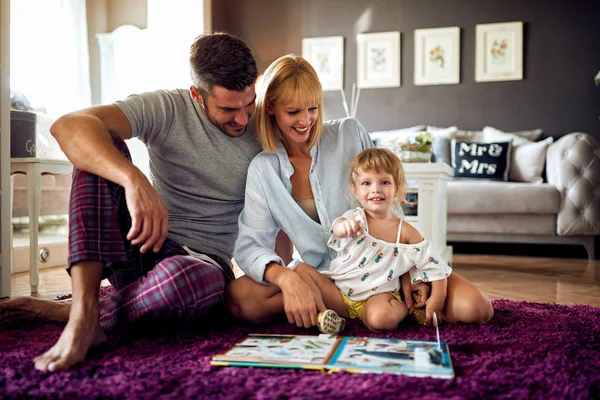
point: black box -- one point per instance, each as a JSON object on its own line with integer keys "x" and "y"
{"x": 411, "y": 207}
{"x": 23, "y": 140}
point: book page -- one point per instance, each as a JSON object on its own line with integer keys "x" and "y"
{"x": 408, "y": 357}
{"x": 282, "y": 349}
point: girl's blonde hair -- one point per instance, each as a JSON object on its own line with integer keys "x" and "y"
{"x": 380, "y": 160}
{"x": 289, "y": 78}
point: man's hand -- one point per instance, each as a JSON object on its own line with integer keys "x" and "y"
{"x": 347, "y": 227}
{"x": 300, "y": 301}
{"x": 149, "y": 218}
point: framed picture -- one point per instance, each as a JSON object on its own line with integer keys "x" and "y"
{"x": 499, "y": 52}
{"x": 437, "y": 56}
{"x": 378, "y": 60}
{"x": 326, "y": 55}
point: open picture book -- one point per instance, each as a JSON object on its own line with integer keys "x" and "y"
{"x": 338, "y": 353}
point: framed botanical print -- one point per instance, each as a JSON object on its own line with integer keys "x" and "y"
{"x": 437, "y": 56}
{"x": 378, "y": 63}
{"x": 326, "y": 55}
{"x": 499, "y": 52}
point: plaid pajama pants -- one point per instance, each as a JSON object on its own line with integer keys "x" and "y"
{"x": 164, "y": 285}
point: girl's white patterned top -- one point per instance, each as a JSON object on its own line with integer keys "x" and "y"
{"x": 366, "y": 266}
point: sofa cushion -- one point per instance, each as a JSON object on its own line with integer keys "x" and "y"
{"x": 449, "y": 132}
{"x": 532, "y": 135}
{"x": 440, "y": 149}
{"x": 481, "y": 160}
{"x": 502, "y": 224}
{"x": 383, "y": 138}
{"x": 528, "y": 161}
{"x": 489, "y": 197}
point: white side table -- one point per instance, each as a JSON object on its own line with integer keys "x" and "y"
{"x": 34, "y": 168}
{"x": 432, "y": 215}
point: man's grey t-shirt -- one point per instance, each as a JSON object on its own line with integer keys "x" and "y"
{"x": 198, "y": 171}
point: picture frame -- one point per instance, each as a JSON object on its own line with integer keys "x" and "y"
{"x": 437, "y": 56}
{"x": 378, "y": 60}
{"x": 499, "y": 52}
{"x": 326, "y": 55}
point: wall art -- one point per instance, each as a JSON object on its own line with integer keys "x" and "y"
{"x": 499, "y": 52}
{"x": 326, "y": 55}
{"x": 437, "y": 56}
{"x": 378, "y": 63}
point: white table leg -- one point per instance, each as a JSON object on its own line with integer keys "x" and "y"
{"x": 33, "y": 201}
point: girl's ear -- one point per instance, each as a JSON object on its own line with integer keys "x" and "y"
{"x": 269, "y": 109}
{"x": 352, "y": 190}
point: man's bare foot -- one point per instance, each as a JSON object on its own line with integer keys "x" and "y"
{"x": 30, "y": 308}
{"x": 81, "y": 333}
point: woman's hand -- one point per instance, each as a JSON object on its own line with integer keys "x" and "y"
{"x": 301, "y": 302}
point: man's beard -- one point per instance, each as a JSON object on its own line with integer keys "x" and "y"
{"x": 222, "y": 126}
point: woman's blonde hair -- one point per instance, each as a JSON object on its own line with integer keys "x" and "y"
{"x": 380, "y": 160}
{"x": 289, "y": 78}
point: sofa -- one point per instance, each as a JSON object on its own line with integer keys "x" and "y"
{"x": 548, "y": 191}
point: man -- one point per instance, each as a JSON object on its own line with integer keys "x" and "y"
{"x": 165, "y": 247}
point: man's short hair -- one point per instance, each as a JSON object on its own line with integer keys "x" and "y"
{"x": 221, "y": 59}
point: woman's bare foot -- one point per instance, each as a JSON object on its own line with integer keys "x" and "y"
{"x": 30, "y": 308}
{"x": 81, "y": 333}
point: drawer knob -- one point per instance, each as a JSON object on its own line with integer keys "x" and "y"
{"x": 44, "y": 254}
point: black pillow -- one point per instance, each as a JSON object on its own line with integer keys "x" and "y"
{"x": 477, "y": 160}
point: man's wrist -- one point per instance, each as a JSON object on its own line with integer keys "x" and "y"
{"x": 130, "y": 176}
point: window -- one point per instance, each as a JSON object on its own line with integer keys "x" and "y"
{"x": 137, "y": 60}
{"x": 49, "y": 60}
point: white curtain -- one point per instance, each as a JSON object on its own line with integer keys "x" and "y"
{"x": 49, "y": 58}
{"x": 134, "y": 60}
{"x": 125, "y": 68}
{"x": 173, "y": 25}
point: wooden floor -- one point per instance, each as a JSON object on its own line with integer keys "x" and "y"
{"x": 548, "y": 280}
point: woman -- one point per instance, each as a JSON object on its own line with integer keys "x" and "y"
{"x": 298, "y": 186}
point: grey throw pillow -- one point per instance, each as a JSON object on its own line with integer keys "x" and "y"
{"x": 440, "y": 147}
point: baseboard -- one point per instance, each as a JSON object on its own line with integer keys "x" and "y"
{"x": 58, "y": 253}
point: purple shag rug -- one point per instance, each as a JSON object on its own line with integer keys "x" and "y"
{"x": 528, "y": 350}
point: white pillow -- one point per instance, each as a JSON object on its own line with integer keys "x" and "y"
{"x": 530, "y": 136}
{"x": 394, "y": 134}
{"x": 449, "y": 132}
{"x": 528, "y": 160}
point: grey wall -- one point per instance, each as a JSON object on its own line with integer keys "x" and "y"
{"x": 561, "y": 58}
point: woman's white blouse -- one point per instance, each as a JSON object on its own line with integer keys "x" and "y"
{"x": 269, "y": 205}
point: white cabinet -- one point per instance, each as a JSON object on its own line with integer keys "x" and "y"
{"x": 429, "y": 181}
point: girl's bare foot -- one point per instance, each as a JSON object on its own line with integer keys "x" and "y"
{"x": 420, "y": 293}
